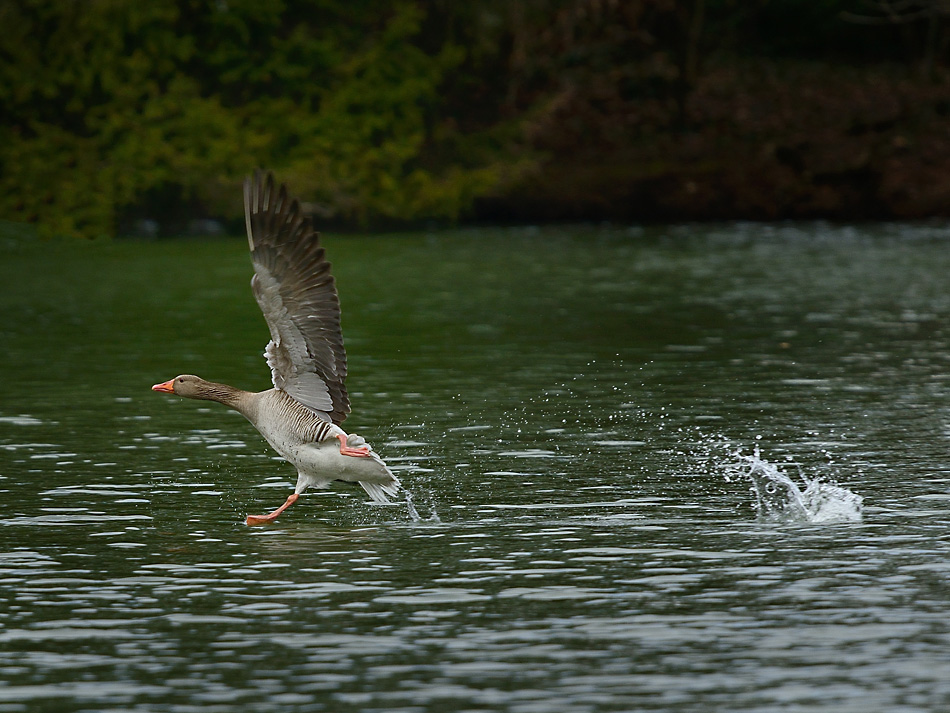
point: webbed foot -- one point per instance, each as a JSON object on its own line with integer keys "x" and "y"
{"x": 358, "y": 448}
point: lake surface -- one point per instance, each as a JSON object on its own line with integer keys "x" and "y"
{"x": 607, "y": 435}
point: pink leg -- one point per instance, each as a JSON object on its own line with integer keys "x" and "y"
{"x": 261, "y": 519}
{"x": 359, "y": 451}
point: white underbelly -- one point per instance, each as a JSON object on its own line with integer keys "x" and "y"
{"x": 320, "y": 463}
{"x": 324, "y": 462}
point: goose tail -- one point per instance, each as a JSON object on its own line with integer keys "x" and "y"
{"x": 381, "y": 492}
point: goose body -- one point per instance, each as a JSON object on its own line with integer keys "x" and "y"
{"x": 312, "y": 445}
{"x": 300, "y": 417}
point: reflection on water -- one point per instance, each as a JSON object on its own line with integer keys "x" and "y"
{"x": 546, "y": 397}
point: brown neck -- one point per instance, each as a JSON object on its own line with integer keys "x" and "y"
{"x": 223, "y": 394}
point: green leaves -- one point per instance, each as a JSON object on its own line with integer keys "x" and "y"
{"x": 112, "y": 102}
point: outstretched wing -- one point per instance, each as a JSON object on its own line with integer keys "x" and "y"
{"x": 297, "y": 294}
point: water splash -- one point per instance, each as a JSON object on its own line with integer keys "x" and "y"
{"x": 414, "y": 514}
{"x": 781, "y": 499}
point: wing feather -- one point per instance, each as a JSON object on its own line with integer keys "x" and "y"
{"x": 296, "y": 292}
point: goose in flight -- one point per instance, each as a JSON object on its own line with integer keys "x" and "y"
{"x": 301, "y": 416}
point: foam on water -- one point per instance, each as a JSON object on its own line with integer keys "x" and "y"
{"x": 780, "y": 499}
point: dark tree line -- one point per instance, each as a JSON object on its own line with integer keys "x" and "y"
{"x": 393, "y": 112}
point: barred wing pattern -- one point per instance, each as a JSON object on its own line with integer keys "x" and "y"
{"x": 297, "y": 294}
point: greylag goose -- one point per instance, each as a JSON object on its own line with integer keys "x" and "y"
{"x": 300, "y": 417}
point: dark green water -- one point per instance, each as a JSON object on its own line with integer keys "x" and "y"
{"x": 564, "y": 407}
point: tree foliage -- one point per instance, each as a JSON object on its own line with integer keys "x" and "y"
{"x": 377, "y": 110}
{"x": 117, "y": 109}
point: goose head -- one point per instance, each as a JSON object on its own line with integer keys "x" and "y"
{"x": 194, "y": 387}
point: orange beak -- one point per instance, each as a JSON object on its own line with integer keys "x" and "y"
{"x": 167, "y": 386}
